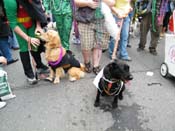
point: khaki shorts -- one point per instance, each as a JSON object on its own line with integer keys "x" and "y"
{"x": 93, "y": 35}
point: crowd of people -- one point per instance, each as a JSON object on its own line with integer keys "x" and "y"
{"x": 21, "y": 20}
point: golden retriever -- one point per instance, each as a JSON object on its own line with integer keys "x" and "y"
{"x": 59, "y": 60}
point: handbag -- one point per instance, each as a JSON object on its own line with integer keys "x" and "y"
{"x": 85, "y": 14}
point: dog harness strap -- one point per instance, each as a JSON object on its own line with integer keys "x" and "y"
{"x": 59, "y": 59}
{"x": 109, "y": 86}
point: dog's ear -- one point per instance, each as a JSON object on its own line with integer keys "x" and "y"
{"x": 126, "y": 68}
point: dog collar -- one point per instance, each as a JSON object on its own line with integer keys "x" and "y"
{"x": 109, "y": 85}
{"x": 59, "y": 59}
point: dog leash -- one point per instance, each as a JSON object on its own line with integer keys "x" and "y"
{"x": 117, "y": 40}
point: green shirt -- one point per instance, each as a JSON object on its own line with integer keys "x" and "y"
{"x": 11, "y": 12}
{"x": 58, "y": 6}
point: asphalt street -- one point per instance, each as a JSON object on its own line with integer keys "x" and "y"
{"x": 148, "y": 103}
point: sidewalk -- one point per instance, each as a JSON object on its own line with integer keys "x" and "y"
{"x": 68, "y": 106}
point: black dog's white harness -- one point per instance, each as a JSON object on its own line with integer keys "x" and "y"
{"x": 108, "y": 87}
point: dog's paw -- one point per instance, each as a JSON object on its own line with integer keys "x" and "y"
{"x": 120, "y": 97}
{"x": 56, "y": 81}
{"x": 72, "y": 79}
{"x": 97, "y": 104}
{"x": 114, "y": 105}
{"x": 82, "y": 74}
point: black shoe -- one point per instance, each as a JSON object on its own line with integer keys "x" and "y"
{"x": 153, "y": 52}
{"x": 15, "y": 48}
{"x": 140, "y": 49}
{"x": 43, "y": 70}
{"x": 12, "y": 61}
{"x": 128, "y": 45}
{"x": 96, "y": 70}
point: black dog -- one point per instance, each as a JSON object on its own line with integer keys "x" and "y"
{"x": 112, "y": 83}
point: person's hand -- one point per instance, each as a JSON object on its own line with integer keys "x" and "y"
{"x": 3, "y": 60}
{"x": 34, "y": 41}
{"x": 93, "y": 4}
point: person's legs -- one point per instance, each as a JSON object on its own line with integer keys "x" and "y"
{"x": 64, "y": 26}
{"x": 123, "y": 54}
{"x": 131, "y": 14}
{"x": 28, "y": 71}
{"x": 144, "y": 28}
{"x": 96, "y": 57}
{"x": 154, "y": 39}
{"x": 87, "y": 39}
{"x": 101, "y": 41}
{"x": 111, "y": 47}
{"x": 25, "y": 58}
{"x": 6, "y": 51}
{"x": 86, "y": 57}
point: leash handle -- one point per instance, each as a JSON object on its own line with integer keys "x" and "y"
{"x": 117, "y": 40}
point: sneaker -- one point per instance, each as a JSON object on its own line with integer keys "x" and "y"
{"x": 140, "y": 49}
{"x": 126, "y": 59}
{"x": 153, "y": 52}
{"x": 2, "y": 104}
{"x": 32, "y": 81}
{"x": 12, "y": 61}
{"x": 128, "y": 45}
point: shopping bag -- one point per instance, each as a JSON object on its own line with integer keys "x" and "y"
{"x": 5, "y": 90}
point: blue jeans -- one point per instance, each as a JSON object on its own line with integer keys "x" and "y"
{"x": 5, "y": 48}
{"x": 13, "y": 41}
{"x": 123, "y": 39}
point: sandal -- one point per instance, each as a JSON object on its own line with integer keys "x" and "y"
{"x": 96, "y": 70}
{"x": 88, "y": 67}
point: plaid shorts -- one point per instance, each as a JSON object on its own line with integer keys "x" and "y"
{"x": 93, "y": 35}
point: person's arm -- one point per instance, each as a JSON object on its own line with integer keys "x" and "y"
{"x": 86, "y": 3}
{"x": 11, "y": 12}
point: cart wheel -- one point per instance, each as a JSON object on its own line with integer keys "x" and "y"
{"x": 164, "y": 70}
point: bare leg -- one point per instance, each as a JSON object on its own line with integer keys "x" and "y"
{"x": 86, "y": 56}
{"x": 97, "y": 53}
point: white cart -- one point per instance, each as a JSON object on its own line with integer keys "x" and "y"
{"x": 168, "y": 66}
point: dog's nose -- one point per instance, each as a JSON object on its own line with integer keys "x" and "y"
{"x": 130, "y": 77}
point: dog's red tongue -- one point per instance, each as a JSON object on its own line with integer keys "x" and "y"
{"x": 128, "y": 83}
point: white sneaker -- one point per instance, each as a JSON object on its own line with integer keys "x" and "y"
{"x": 2, "y": 104}
{"x": 32, "y": 81}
